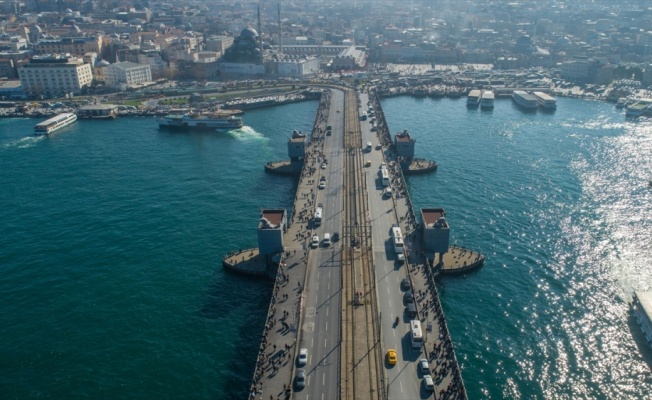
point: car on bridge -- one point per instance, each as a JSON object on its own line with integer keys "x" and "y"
{"x": 391, "y": 357}
{"x": 315, "y": 241}
{"x": 300, "y": 380}
{"x": 303, "y": 357}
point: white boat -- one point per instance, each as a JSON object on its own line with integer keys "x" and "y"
{"x": 200, "y": 121}
{"x": 546, "y": 101}
{"x": 473, "y": 98}
{"x": 525, "y": 100}
{"x": 487, "y": 100}
{"x": 641, "y": 107}
{"x": 54, "y": 124}
{"x": 642, "y": 309}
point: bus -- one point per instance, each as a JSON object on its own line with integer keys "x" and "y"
{"x": 384, "y": 176}
{"x": 416, "y": 334}
{"x": 318, "y": 213}
{"x": 397, "y": 239}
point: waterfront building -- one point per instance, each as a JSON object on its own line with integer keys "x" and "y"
{"x": 297, "y": 65}
{"x": 435, "y": 230}
{"x": 271, "y": 227}
{"x": 98, "y": 111}
{"x": 55, "y": 75}
{"x": 127, "y": 73}
{"x": 404, "y": 145}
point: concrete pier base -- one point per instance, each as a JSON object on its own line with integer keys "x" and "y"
{"x": 285, "y": 167}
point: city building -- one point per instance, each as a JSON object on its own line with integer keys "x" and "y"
{"x": 127, "y": 74}
{"x": 55, "y": 75}
{"x": 76, "y": 46}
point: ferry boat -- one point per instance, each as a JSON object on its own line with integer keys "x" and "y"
{"x": 525, "y": 100}
{"x": 220, "y": 122}
{"x": 473, "y": 98}
{"x": 487, "y": 100}
{"x": 641, "y": 107}
{"x": 546, "y": 101}
{"x": 54, "y": 124}
{"x": 642, "y": 309}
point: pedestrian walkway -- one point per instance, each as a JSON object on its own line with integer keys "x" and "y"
{"x": 274, "y": 373}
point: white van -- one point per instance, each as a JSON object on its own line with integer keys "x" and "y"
{"x": 327, "y": 239}
{"x": 368, "y": 146}
{"x": 429, "y": 383}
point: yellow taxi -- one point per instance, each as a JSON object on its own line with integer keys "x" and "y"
{"x": 391, "y": 357}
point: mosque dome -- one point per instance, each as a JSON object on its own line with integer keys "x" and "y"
{"x": 248, "y": 33}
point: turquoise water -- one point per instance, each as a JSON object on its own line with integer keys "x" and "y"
{"x": 559, "y": 203}
{"x": 112, "y": 286}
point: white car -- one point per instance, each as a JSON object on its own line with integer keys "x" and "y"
{"x": 322, "y": 185}
{"x": 327, "y": 239}
{"x": 315, "y": 241}
{"x": 303, "y": 356}
{"x": 424, "y": 366}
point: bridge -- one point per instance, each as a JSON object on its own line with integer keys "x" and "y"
{"x": 339, "y": 300}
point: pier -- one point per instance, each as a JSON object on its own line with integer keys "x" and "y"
{"x": 338, "y": 299}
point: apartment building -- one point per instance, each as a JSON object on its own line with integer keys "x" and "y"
{"x": 55, "y": 75}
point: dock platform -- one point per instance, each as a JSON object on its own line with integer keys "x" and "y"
{"x": 285, "y": 167}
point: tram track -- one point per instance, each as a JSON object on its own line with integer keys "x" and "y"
{"x": 362, "y": 371}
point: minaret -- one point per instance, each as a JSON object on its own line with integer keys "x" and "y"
{"x": 260, "y": 36}
{"x": 280, "y": 31}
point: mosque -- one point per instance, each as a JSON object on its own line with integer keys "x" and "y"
{"x": 250, "y": 56}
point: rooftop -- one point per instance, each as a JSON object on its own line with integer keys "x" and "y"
{"x": 432, "y": 215}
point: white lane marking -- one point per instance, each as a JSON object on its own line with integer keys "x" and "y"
{"x": 312, "y": 343}
{"x": 326, "y": 330}
{"x": 400, "y": 383}
{"x": 329, "y": 286}
{"x": 325, "y": 342}
{"x": 327, "y": 311}
{"x": 323, "y": 379}
{"x": 390, "y": 303}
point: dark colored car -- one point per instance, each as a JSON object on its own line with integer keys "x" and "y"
{"x": 335, "y": 237}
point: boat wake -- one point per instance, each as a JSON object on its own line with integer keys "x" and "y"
{"x": 246, "y": 133}
{"x": 23, "y": 143}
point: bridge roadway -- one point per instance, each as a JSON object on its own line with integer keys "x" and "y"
{"x": 357, "y": 369}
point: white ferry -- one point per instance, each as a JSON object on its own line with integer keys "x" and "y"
{"x": 641, "y": 107}
{"x": 642, "y": 309}
{"x": 525, "y": 100}
{"x": 487, "y": 100}
{"x": 546, "y": 101}
{"x": 200, "y": 121}
{"x": 54, "y": 124}
{"x": 473, "y": 98}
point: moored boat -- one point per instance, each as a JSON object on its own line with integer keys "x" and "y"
{"x": 487, "y": 100}
{"x": 546, "y": 101}
{"x": 53, "y": 124}
{"x": 641, "y": 107}
{"x": 525, "y": 100}
{"x": 473, "y": 98}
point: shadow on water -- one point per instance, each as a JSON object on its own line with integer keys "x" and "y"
{"x": 242, "y": 303}
{"x": 639, "y": 339}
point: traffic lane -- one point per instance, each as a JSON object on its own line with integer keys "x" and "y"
{"x": 324, "y": 346}
{"x": 322, "y": 322}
